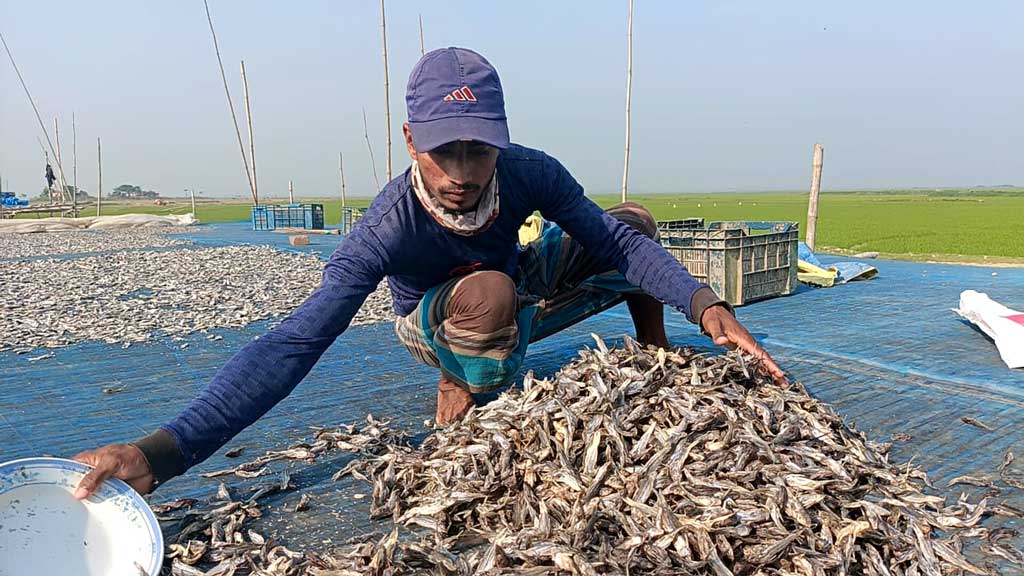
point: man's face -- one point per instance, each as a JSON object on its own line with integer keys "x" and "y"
{"x": 456, "y": 173}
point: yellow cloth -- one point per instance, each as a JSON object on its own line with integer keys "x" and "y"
{"x": 530, "y": 230}
{"x": 810, "y": 274}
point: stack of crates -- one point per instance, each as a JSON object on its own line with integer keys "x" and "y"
{"x": 349, "y": 217}
{"x": 680, "y": 224}
{"x": 742, "y": 261}
{"x": 305, "y": 216}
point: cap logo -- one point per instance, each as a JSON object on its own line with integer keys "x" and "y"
{"x": 463, "y": 94}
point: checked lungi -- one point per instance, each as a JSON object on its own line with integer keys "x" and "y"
{"x": 476, "y": 328}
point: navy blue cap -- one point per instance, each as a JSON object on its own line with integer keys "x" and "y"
{"x": 455, "y": 94}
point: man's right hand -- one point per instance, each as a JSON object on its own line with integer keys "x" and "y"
{"x": 122, "y": 461}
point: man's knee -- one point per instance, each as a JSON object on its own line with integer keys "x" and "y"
{"x": 637, "y": 216}
{"x": 483, "y": 302}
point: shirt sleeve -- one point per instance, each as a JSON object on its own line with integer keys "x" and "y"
{"x": 642, "y": 261}
{"x": 266, "y": 370}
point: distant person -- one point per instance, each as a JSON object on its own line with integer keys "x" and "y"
{"x": 50, "y": 178}
{"x": 469, "y": 300}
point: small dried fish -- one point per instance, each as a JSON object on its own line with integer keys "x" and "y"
{"x": 976, "y": 423}
{"x": 627, "y": 461}
{"x": 1007, "y": 460}
{"x": 983, "y": 481}
{"x": 128, "y": 295}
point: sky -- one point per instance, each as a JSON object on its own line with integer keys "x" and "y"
{"x": 727, "y": 95}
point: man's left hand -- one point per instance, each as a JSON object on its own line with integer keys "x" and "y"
{"x": 725, "y": 330}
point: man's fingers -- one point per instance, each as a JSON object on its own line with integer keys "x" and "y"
{"x": 715, "y": 330}
{"x": 748, "y": 344}
{"x": 103, "y": 467}
{"x": 724, "y": 341}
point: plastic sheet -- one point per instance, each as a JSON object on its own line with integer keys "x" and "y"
{"x": 887, "y": 354}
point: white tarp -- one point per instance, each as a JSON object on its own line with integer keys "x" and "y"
{"x": 124, "y": 221}
{"x": 1004, "y": 325}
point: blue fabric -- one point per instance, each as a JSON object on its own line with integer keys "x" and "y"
{"x": 396, "y": 238}
{"x": 846, "y": 271}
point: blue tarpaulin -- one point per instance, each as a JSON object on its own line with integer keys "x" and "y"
{"x": 888, "y": 355}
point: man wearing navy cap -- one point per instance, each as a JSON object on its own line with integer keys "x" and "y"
{"x": 469, "y": 299}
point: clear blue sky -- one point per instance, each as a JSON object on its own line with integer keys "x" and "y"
{"x": 726, "y": 95}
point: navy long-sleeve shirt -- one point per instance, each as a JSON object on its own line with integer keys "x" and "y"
{"x": 397, "y": 239}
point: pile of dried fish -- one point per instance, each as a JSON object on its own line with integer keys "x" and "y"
{"x": 129, "y": 297}
{"x": 647, "y": 462}
{"x": 84, "y": 242}
{"x": 215, "y": 539}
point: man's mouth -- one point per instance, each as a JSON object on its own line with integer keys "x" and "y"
{"x": 458, "y": 194}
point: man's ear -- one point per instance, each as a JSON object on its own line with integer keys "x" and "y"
{"x": 408, "y": 141}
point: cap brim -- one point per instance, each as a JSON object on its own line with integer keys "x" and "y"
{"x": 429, "y": 135}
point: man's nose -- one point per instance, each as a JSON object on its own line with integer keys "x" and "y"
{"x": 459, "y": 170}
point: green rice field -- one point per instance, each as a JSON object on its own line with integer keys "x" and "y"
{"x": 947, "y": 225}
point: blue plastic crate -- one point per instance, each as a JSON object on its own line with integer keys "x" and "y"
{"x": 305, "y": 216}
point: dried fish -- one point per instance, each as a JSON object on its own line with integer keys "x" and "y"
{"x": 983, "y": 481}
{"x": 20, "y": 246}
{"x": 128, "y": 297}
{"x": 976, "y": 423}
{"x": 1007, "y": 460}
{"x": 627, "y": 461}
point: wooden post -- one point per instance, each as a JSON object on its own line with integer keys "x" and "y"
{"x": 341, "y": 172}
{"x": 629, "y": 92}
{"x": 423, "y": 50}
{"x": 812, "y": 206}
{"x": 387, "y": 92}
{"x": 99, "y": 177}
{"x": 60, "y": 165}
{"x": 31, "y": 100}
{"x": 291, "y": 193}
{"x": 74, "y": 166}
{"x": 373, "y": 163}
{"x": 252, "y": 144}
{"x": 231, "y": 105}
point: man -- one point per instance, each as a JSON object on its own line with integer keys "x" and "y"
{"x": 50, "y": 178}
{"x": 469, "y": 301}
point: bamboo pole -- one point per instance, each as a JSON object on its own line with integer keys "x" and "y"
{"x": 31, "y": 100}
{"x": 341, "y": 172}
{"x": 423, "y": 50}
{"x": 99, "y": 177}
{"x": 387, "y": 93}
{"x": 812, "y": 206}
{"x": 373, "y": 163}
{"x": 231, "y": 105}
{"x": 60, "y": 165}
{"x": 629, "y": 92}
{"x": 252, "y": 143}
{"x": 74, "y": 166}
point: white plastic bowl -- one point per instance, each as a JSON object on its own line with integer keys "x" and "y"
{"x": 45, "y": 531}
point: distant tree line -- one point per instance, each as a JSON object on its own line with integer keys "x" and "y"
{"x": 44, "y": 194}
{"x": 130, "y": 191}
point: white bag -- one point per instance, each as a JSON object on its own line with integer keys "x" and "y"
{"x": 1003, "y": 325}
